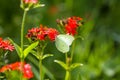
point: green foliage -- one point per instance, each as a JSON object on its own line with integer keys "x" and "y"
{"x": 99, "y": 51}
{"x": 45, "y": 70}
{"x": 13, "y": 75}
{"x": 61, "y": 64}
{"x": 29, "y": 48}
{"x": 46, "y": 55}
{"x": 74, "y": 65}
{"x": 26, "y": 51}
{"x": 17, "y": 48}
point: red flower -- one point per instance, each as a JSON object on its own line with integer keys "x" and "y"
{"x": 33, "y": 32}
{"x": 27, "y": 72}
{"x": 16, "y": 66}
{"x": 19, "y": 66}
{"x": 42, "y": 33}
{"x": 4, "y": 68}
{"x": 52, "y": 33}
{"x": 70, "y": 30}
{"x": 6, "y": 45}
{"x": 30, "y": 1}
{"x": 72, "y": 24}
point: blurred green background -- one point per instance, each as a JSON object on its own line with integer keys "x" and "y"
{"x": 100, "y": 49}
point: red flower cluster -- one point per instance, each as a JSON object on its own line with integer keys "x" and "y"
{"x": 19, "y": 66}
{"x": 72, "y": 24}
{"x": 30, "y": 1}
{"x": 5, "y": 45}
{"x": 42, "y": 33}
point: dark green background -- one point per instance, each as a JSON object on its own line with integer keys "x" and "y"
{"x": 100, "y": 49}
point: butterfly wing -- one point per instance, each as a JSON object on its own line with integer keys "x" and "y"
{"x": 63, "y": 42}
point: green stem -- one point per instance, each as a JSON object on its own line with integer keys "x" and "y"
{"x": 67, "y": 76}
{"x": 40, "y": 53}
{"x": 22, "y": 43}
{"x": 22, "y": 28}
{"x": 72, "y": 52}
{"x": 40, "y": 61}
{"x": 40, "y": 65}
{"x": 68, "y": 62}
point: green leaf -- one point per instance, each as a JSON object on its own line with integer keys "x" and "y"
{"x": 74, "y": 65}
{"x": 21, "y": 4}
{"x": 29, "y": 48}
{"x": 80, "y": 37}
{"x": 63, "y": 42}
{"x": 48, "y": 73}
{"x": 61, "y": 64}
{"x": 38, "y": 5}
{"x": 14, "y": 75}
{"x": 17, "y": 48}
{"x": 34, "y": 53}
{"x": 47, "y": 55}
{"x": 35, "y": 62}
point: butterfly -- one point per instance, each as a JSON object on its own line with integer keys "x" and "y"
{"x": 63, "y": 42}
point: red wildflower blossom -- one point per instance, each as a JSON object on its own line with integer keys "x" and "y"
{"x": 72, "y": 24}
{"x": 70, "y": 30}
{"x": 30, "y": 1}
{"x": 42, "y": 33}
{"x": 6, "y": 45}
{"x": 4, "y": 68}
{"x": 27, "y": 72}
{"x": 33, "y": 32}
{"x": 16, "y": 65}
{"x": 52, "y": 33}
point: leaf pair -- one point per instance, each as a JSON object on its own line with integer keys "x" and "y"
{"x": 71, "y": 67}
{"x": 26, "y": 51}
{"x": 43, "y": 57}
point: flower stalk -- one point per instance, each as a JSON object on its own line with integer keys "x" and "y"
{"x": 72, "y": 52}
{"x": 22, "y": 39}
{"x": 22, "y": 28}
{"x": 40, "y": 67}
{"x": 40, "y": 53}
{"x": 40, "y": 64}
{"x": 67, "y": 76}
